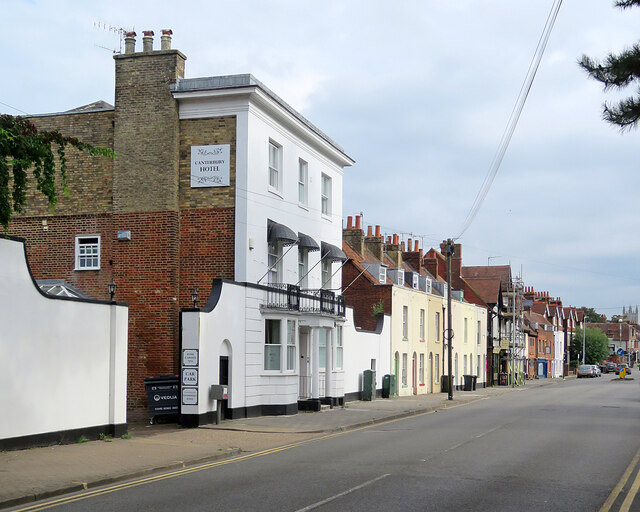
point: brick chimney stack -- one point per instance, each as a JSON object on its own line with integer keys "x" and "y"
{"x": 374, "y": 243}
{"x": 354, "y": 236}
{"x": 392, "y": 248}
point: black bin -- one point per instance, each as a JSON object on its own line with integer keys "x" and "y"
{"x": 163, "y": 396}
{"x": 475, "y": 381}
{"x": 468, "y": 382}
{"x": 444, "y": 383}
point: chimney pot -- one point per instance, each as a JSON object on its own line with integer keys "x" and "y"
{"x": 402, "y": 246}
{"x": 369, "y": 230}
{"x": 378, "y": 231}
{"x": 349, "y": 222}
{"x": 165, "y": 39}
{"x": 396, "y": 239}
{"x": 358, "y": 222}
{"x": 147, "y": 41}
{"x": 409, "y": 245}
{"x": 130, "y": 42}
{"x": 415, "y": 248}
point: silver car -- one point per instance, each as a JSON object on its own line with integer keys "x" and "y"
{"x": 586, "y": 370}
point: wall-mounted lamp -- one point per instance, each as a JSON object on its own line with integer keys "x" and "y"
{"x": 251, "y": 244}
{"x": 194, "y": 297}
{"x": 112, "y": 289}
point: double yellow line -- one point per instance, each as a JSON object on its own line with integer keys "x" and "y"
{"x": 633, "y": 491}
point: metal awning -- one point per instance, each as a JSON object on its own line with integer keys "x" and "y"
{"x": 332, "y": 252}
{"x": 280, "y": 233}
{"x": 308, "y": 243}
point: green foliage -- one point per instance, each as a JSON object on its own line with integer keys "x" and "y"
{"x": 591, "y": 315}
{"x": 82, "y": 439}
{"x": 126, "y": 436}
{"x": 107, "y": 438}
{"x": 597, "y": 345}
{"x": 377, "y": 308}
{"x": 24, "y": 148}
{"x": 618, "y": 71}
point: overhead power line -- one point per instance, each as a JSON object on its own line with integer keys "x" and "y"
{"x": 513, "y": 119}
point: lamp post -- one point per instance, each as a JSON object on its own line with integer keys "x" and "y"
{"x": 194, "y": 297}
{"x": 584, "y": 338}
{"x": 112, "y": 289}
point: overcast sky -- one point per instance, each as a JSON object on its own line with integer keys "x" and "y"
{"x": 419, "y": 94}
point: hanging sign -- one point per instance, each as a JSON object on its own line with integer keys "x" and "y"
{"x": 210, "y": 166}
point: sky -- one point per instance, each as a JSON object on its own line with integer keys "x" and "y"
{"x": 419, "y": 94}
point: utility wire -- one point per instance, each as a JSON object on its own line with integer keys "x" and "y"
{"x": 513, "y": 119}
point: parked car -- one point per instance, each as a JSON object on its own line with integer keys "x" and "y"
{"x": 621, "y": 366}
{"x": 586, "y": 370}
{"x": 611, "y": 366}
{"x": 597, "y": 370}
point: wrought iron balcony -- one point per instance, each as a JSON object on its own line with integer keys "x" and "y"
{"x": 293, "y": 298}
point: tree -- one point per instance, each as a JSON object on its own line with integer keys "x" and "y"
{"x": 23, "y": 147}
{"x": 618, "y": 71}
{"x": 591, "y": 316}
{"x": 597, "y": 345}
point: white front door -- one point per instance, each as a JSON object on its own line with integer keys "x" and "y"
{"x": 305, "y": 365}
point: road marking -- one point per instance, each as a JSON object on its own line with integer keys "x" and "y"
{"x": 344, "y": 493}
{"x": 180, "y": 472}
{"x": 626, "y": 504}
{"x": 623, "y": 480}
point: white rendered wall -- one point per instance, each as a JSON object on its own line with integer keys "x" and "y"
{"x": 360, "y": 347}
{"x": 63, "y": 363}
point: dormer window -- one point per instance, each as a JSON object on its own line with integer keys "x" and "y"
{"x": 415, "y": 281}
{"x": 400, "y": 276}
{"x": 382, "y": 274}
{"x": 429, "y": 284}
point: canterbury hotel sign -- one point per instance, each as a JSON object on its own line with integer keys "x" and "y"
{"x": 210, "y": 166}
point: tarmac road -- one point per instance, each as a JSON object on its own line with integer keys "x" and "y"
{"x": 571, "y": 446}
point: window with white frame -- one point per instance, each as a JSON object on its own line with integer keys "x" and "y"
{"x": 405, "y": 319}
{"x": 272, "y": 345}
{"x": 322, "y": 351}
{"x": 339, "y": 348}
{"x": 275, "y": 166}
{"x": 415, "y": 281}
{"x": 303, "y": 267}
{"x": 326, "y": 273}
{"x": 274, "y": 261}
{"x": 466, "y": 330}
{"x": 478, "y": 333}
{"x": 88, "y": 252}
{"x": 291, "y": 344}
{"x": 382, "y": 274}
{"x": 437, "y": 368}
{"x": 429, "y": 285}
{"x": 400, "y": 276}
{"x": 303, "y": 182}
{"x": 437, "y": 324}
{"x": 422, "y": 325}
{"x": 325, "y": 196}
{"x": 404, "y": 369}
{"x": 421, "y": 373}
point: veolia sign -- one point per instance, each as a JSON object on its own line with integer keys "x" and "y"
{"x": 210, "y": 166}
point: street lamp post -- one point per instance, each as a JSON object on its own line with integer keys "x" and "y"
{"x": 584, "y": 338}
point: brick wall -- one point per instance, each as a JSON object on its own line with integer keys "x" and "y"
{"x": 362, "y": 295}
{"x": 90, "y": 178}
{"x": 207, "y": 238}
{"x": 146, "y": 131}
{"x": 200, "y": 132}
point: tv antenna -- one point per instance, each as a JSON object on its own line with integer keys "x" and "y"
{"x": 121, "y": 32}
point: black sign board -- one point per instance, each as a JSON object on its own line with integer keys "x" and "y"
{"x": 163, "y": 397}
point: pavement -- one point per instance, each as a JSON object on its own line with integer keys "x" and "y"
{"x": 39, "y": 473}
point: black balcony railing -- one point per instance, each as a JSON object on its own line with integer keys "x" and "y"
{"x": 292, "y": 298}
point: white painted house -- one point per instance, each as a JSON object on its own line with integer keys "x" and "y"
{"x": 274, "y": 335}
